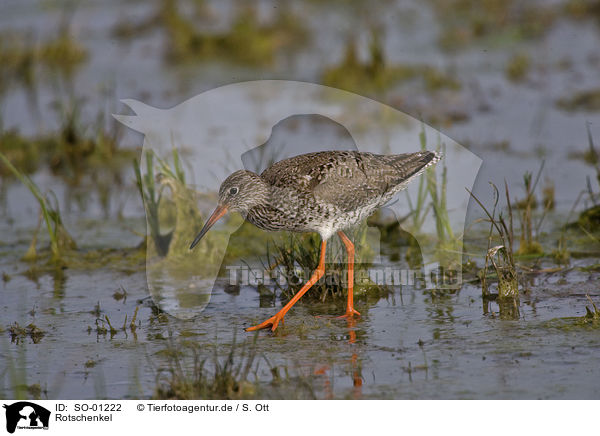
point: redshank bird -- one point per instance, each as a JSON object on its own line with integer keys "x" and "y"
{"x": 324, "y": 192}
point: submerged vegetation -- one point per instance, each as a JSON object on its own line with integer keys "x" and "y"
{"x": 60, "y": 240}
{"x": 86, "y": 156}
{"x": 446, "y": 240}
{"x": 500, "y": 256}
{"x": 431, "y": 198}
{"x": 467, "y": 22}
{"x": 592, "y": 314}
{"x": 235, "y": 377}
{"x": 172, "y": 213}
{"x": 248, "y": 41}
{"x": 528, "y": 245}
{"x": 227, "y": 380}
{"x": 518, "y": 66}
{"x": 296, "y": 256}
{"x": 146, "y": 185}
{"x": 72, "y": 152}
{"x": 589, "y": 219}
{"x": 588, "y": 100}
{"x": 82, "y": 156}
{"x": 591, "y": 319}
{"x": 583, "y": 9}
{"x": 18, "y": 333}
{"x": 22, "y": 57}
{"x": 20, "y": 151}
{"x": 376, "y": 74}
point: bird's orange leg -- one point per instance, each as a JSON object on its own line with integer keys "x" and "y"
{"x": 350, "y": 311}
{"x": 275, "y": 319}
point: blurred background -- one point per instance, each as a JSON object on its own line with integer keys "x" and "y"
{"x": 516, "y": 82}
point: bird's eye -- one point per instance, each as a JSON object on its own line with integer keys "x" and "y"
{"x": 233, "y": 191}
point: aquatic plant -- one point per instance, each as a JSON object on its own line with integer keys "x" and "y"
{"x": 588, "y": 100}
{"x": 589, "y": 219}
{"x": 594, "y": 160}
{"x": 248, "y": 41}
{"x": 102, "y": 323}
{"x": 22, "y": 152}
{"x": 500, "y": 256}
{"x": 445, "y": 235}
{"x": 60, "y": 240}
{"x": 419, "y": 209}
{"x": 235, "y": 377}
{"x": 431, "y": 196}
{"x": 151, "y": 198}
{"x": 548, "y": 195}
{"x": 589, "y": 156}
{"x": 84, "y": 155}
{"x": 227, "y": 380}
{"x": 376, "y": 75}
{"x": 561, "y": 253}
{"x": 592, "y": 314}
{"x": 15, "y": 370}
{"x": 173, "y": 220}
{"x": 21, "y": 57}
{"x": 529, "y": 245}
{"x": 517, "y": 67}
{"x": 582, "y": 9}
{"x": 78, "y": 150}
{"x": 188, "y": 220}
{"x": 297, "y": 255}
{"x": 18, "y": 333}
{"x": 465, "y": 22}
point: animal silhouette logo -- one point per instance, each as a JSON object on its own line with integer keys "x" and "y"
{"x": 194, "y": 146}
{"x": 26, "y": 415}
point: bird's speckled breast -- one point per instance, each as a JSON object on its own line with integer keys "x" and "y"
{"x": 307, "y": 215}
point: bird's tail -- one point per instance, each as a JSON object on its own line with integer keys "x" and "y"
{"x": 413, "y": 164}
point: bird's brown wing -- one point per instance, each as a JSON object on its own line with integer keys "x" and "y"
{"x": 346, "y": 179}
{"x": 348, "y": 185}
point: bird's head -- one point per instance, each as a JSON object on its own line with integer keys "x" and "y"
{"x": 239, "y": 192}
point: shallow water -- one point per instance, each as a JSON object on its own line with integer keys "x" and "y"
{"x": 412, "y": 344}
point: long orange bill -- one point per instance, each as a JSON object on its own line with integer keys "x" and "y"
{"x": 218, "y": 213}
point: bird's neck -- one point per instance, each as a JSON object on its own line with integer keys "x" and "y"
{"x": 261, "y": 192}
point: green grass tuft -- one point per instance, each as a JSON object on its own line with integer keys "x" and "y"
{"x": 60, "y": 240}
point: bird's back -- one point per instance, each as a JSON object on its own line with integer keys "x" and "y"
{"x": 331, "y": 190}
{"x": 348, "y": 179}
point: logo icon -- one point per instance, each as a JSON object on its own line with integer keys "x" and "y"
{"x": 26, "y": 415}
